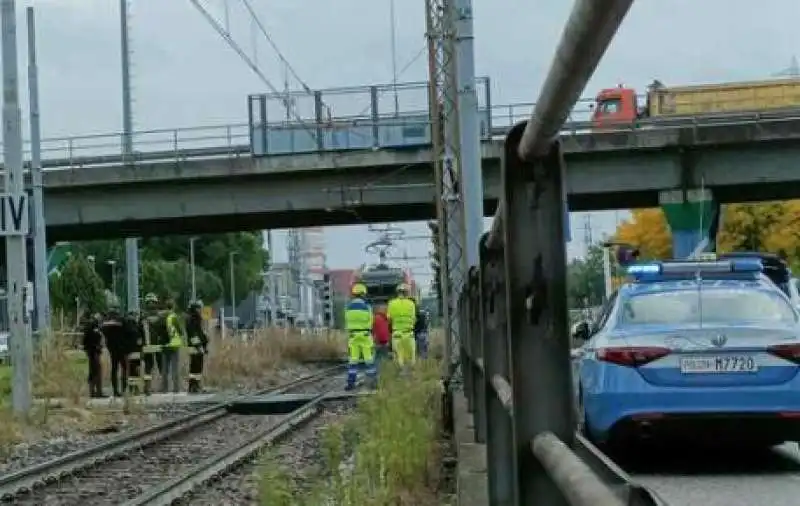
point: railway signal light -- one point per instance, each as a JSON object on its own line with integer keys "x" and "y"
{"x": 327, "y": 301}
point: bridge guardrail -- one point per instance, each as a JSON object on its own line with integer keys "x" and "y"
{"x": 515, "y": 353}
{"x": 233, "y": 140}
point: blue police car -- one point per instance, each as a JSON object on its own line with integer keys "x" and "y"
{"x": 692, "y": 349}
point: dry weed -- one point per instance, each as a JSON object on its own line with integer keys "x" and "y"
{"x": 256, "y": 358}
{"x": 386, "y": 454}
{"x": 61, "y": 391}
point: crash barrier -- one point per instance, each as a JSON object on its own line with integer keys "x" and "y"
{"x": 515, "y": 352}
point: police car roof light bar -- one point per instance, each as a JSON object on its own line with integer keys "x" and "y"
{"x": 658, "y": 269}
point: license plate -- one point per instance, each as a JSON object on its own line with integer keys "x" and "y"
{"x": 719, "y": 364}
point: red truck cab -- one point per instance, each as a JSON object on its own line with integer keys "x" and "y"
{"x": 614, "y": 106}
{"x": 620, "y": 105}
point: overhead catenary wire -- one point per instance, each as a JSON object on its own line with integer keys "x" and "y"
{"x": 274, "y": 46}
{"x": 225, "y": 34}
{"x": 222, "y": 32}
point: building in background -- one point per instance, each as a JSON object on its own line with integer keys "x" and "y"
{"x": 341, "y": 280}
{"x": 313, "y": 260}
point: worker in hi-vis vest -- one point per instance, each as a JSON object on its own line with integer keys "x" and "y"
{"x": 361, "y": 347}
{"x": 171, "y": 344}
{"x": 402, "y": 313}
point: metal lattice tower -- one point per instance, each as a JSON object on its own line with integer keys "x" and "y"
{"x": 443, "y": 103}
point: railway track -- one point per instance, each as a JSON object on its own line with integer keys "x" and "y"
{"x": 160, "y": 464}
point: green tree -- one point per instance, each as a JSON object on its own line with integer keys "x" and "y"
{"x": 77, "y": 283}
{"x": 177, "y": 281}
{"x": 436, "y": 266}
{"x": 585, "y": 283}
{"x": 165, "y": 260}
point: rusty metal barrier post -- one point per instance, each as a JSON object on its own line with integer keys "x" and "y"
{"x": 475, "y": 337}
{"x": 500, "y": 451}
{"x": 535, "y": 272}
{"x": 465, "y": 348}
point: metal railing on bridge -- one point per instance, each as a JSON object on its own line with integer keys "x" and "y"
{"x": 407, "y": 128}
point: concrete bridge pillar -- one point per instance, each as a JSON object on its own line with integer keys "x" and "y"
{"x": 694, "y": 218}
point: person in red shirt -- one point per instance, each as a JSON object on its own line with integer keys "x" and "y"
{"x": 381, "y": 334}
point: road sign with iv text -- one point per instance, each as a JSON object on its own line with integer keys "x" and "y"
{"x": 14, "y": 215}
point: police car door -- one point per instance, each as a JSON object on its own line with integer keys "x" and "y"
{"x": 794, "y": 294}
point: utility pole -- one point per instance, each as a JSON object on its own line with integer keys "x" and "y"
{"x": 273, "y": 288}
{"x": 469, "y": 129}
{"x": 192, "y": 268}
{"x": 112, "y": 264}
{"x": 588, "y": 239}
{"x": 20, "y": 343}
{"x": 233, "y": 288}
{"x": 448, "y": 146}
{"x": 41, "y": 285}
{"x": 131, "y": 243}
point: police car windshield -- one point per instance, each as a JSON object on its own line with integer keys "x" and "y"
{"x": 727, "y": 305}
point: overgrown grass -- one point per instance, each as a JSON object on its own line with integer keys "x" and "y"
{"x": 387, "y": 453}
{"x": 59, "y": 372}
{"x": 260, "y": 357}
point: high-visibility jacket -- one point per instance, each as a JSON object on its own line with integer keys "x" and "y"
{"x": 174, "y": 331}
{"x": 358, "y": 316}
{"x": 402, "y": 314}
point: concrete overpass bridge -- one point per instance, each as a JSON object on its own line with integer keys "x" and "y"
{"x": 741, "y": 157}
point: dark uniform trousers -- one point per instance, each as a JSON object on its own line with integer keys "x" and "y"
{"x": 118, "y": 343}
{"x": 197, "y": 350}
{"x": 93, "y": 346}
{"x": 196, "y": 353}
{"x": 95, "y": 378}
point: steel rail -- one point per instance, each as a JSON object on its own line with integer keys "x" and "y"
{"x": 182, "y": 485}
{"x": 29, "y": 478}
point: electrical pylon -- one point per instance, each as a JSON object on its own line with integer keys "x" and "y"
{"x": 444, "y": 115}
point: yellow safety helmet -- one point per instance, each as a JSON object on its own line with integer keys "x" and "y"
{"x": 358, "y": 290}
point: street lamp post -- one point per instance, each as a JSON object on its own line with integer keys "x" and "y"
{"x": 192, "y": 268}
{"x": 113, "y": 265}
{"x": 233, "y": 287}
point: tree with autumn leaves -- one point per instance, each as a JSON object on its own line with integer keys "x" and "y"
{"x": 768, "y": 226}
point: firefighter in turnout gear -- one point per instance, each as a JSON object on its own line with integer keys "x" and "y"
{"x": 361, "y": 347}
{"x": 93, "y": 347}
{"x": 198, "y": 345}
{"x": 171, "y": 343}
{"x": 421, "y": 332}
{"x": 120, "y": 341}
{"x": 151, "y": 329}
{"x": 402, "y": 313}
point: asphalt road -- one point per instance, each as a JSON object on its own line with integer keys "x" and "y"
{"x": 730, "y": 477}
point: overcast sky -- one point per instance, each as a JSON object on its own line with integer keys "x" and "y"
{"x": 184, "y": 74}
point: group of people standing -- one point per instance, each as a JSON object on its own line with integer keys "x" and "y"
{"x": 399, "y": 329}
{"x": 141, "y": 344}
